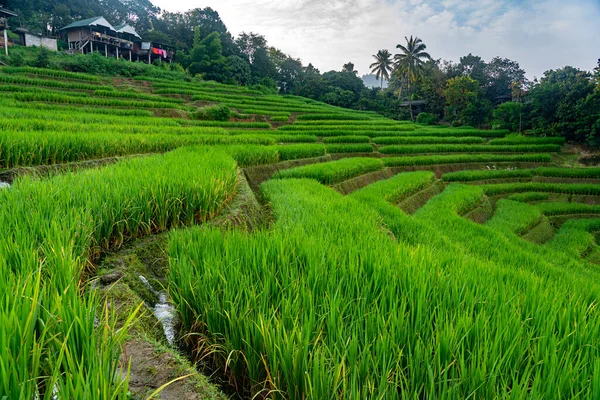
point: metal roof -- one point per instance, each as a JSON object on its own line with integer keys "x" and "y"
{"x": 125, "y": 28}
{"x": 95, "y": 21}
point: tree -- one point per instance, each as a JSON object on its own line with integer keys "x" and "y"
{"x": 410, "y": 63}
{"x": 249, "y": 43}
{"x": 239, "y": 70}
{"x": 262, "y": 66}
{"x": 431, "y": 88}
{"x": 207, "y": 58}
{"x": 500, "y": 74}
{"x": 349, "y": 67}
{"x": 465, "y": 102}
{"x": 557, "y": 103}
{"x": 473, "y": 67}
{"x": 382, "y": 65}
{"x": 289, "y": 75}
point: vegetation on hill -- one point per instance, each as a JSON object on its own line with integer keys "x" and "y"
{"x": 564, "y": 102}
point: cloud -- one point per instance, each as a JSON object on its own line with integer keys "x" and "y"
{"x": 539, "y": 34}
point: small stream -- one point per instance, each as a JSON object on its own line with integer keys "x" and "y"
{"x": 163, "y": 311}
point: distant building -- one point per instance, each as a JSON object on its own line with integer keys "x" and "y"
{"x": 29, "y": 39}
{"x": 121, "y": 41}
{"x": 4, "y": 16}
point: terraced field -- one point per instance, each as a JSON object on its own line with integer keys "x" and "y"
{"x": 314, "y": 252}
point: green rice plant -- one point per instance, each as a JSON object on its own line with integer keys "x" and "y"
{"x": 459, "y": 148}
{"x": 574, "y": 237}
{"x": 581, "y": 173}
{"x": 30, "y": 148}
{"x": 527, "y": 197}
{"x": 381, "y": 123}
{"x": 349, "y": 148}
{"x": 427, "y": 140}
{"x": 333, "y": 172}
{"x": 465, "y": 158}
{"x": 469, "y": 176}
{"x": 134, "y": 95}
{"x": 249, "y": 155}
{"x": 520, "y": 139}
{"x": 23, "y": 80}
{"x": 62, "y": 98}
{"x": 555, "y": 208}
{"x": 565, "y": 188}
{"x": 463, "y": 131}
{"x": 345, "y": 292}
{"x": 347, "y": 139}
{"x": 295, "y": 138}
{"x": 266, "y": 112}
{"x": 13, "y": 90}
{"x": 227, "y": 124}
{"x": 242, "y": 131}
{"x": 340, "y": 117}
{"x": 84, "y": 111}
{"x": 466, "y": 176}
{"x": 397, "y": 188}
{"x": 55, "y": 336}
{"x": 279, "y": 119}
{"x": 95, "y": 127}
{"x": 514, "y": 217}
{"x": 350, "y": 129}
{"x": 51, "y": 73}
{"x": 297, "y": 151}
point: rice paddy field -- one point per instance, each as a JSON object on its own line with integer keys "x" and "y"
{"x": 388, "y": 260}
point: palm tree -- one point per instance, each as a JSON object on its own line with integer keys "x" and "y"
{"x": 382, "y": 65}
{"x": 410, "y": 62}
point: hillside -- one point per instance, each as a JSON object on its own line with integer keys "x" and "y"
{"x": 309, "y": 251}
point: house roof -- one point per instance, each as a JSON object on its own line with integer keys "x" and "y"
{"x": 7, "y": 12}
{"x": 95, "y": 21}
{"x": 125, "y": 28}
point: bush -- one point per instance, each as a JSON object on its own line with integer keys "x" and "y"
{"x": 212, "y": 113}
{"x": 426, "y": 118}
{"x": 511, "y": 116}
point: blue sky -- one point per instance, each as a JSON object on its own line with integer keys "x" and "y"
{"x": 539, "y": 34}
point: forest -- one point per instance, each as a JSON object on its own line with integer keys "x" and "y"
{"x": 474, "y": 92}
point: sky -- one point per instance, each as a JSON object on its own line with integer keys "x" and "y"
{"x": 539, "y": 34}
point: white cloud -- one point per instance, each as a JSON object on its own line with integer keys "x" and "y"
{"x": 539, "y": 34}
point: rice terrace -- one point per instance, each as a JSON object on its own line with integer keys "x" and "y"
{"x": 177, "y": 224}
